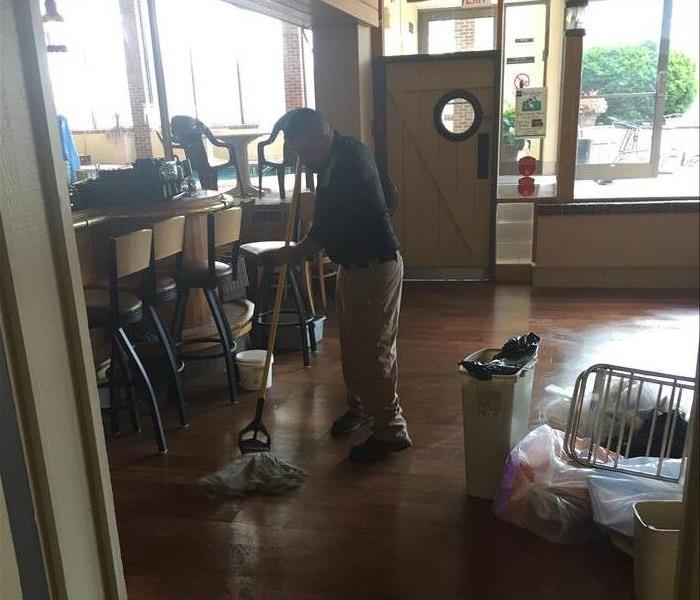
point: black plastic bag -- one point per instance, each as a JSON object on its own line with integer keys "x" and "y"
{"x": 515, "y": 354}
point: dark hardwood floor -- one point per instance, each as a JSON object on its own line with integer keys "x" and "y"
{"x": 403, "y": 529}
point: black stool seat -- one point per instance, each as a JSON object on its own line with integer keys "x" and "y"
{"x": 99, "y": 312}
{"x": 196, "y": 274}
{"x": 166, "y": 286}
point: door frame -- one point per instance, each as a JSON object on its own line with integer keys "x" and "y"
{"x": 380, "y": 64}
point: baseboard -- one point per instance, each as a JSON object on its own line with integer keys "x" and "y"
{"x": 626, "y": 277}
{"x": 444, "y": 274}
{"x": 520, "y": 274}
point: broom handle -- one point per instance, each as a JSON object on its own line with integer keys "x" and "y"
{"x": 282, "y": 279}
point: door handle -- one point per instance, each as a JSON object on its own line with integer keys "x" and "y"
{"x": 483, "y": 155}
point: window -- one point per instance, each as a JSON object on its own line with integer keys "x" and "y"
{"x": 222, "y": 64}
{"x": 466, "y": 29}
{"x": 524, "y": 62}
{"x": 638, "y": 116}
{"x": 89, "y": 80}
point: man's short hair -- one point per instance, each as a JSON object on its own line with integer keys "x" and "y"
{"x": 305, "y": 121}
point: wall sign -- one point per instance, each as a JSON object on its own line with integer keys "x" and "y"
{"x": 531, "y": 112}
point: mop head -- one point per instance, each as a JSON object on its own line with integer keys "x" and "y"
{"x": 259, "y": 472}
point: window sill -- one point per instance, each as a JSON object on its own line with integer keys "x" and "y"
{"x": 619, "y": 207}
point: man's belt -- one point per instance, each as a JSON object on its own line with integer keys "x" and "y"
{"x": 369, "y": 263}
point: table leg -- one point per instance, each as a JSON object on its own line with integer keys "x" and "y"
{"x": 244, "y": 186}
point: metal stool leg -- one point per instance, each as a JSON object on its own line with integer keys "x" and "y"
{"x": 171, "y": 361}
{"x": 261, "y": 298}
{"x": 183, "y": 294}
{"x": 130, "y": 398}
{"x": 155, "y": 412}
{"x": 224, "y": 329}
{"x": 113, "y": 388}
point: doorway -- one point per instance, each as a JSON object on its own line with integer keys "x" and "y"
{"x": 436, "y": 137}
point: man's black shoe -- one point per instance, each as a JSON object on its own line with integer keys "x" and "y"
{"x": 373, "y": 449}
{"x": 348, "y": 422}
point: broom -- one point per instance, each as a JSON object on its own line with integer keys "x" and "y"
{"x": 257, "y": 469}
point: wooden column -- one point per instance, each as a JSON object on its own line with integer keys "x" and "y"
{"x": 568, "y": 117}
{"x": 343, "y": 77}
{"x": 44, "y": 335}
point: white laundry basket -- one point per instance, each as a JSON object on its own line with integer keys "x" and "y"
{"x": 250, "y": 367}
{"x": 656, "y": 533}
{"x": 496, "y": 415}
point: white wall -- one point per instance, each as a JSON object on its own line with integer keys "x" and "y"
{"x": 618, "y": 250}
{"x": 397, "y": 19}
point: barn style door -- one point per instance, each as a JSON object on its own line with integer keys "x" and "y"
{"x": 436, "y": 134}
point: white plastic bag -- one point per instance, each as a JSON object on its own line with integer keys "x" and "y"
{"x": 614, "y": 494}
{"x": 541, "y": 490}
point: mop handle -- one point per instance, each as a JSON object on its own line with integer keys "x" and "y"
{"x": 282, "y": 279}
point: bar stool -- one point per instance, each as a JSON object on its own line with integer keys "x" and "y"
{"x": 155, "y": 287}
{"x": 302, "y": 318}
{"x": 159, "y": 288}
{"x": 111, "y": 310}
{"x": 223, "y": 230}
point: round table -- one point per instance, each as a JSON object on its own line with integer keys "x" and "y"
{"x": 240, "y": 140}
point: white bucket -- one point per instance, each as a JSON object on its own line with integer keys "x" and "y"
{"x": 250, "y": 367}
{"x": 656, "y": 533}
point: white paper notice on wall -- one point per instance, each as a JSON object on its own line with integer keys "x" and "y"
{"x": 531, "y": 112}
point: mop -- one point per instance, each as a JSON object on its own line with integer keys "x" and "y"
{"x": 257, "y": 469}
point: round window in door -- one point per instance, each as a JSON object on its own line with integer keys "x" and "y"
{"x": 457, "y": 115}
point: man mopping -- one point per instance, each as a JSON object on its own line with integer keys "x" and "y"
{"x": 351, "y": 222}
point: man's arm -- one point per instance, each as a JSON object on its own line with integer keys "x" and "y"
{"x": 292, "y": 254}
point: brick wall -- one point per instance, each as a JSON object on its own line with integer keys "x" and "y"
{"x": 293, "y": 67}
{"x": 135, "y": 79}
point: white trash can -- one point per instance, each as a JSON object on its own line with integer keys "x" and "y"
{"x": 496, "y": 416}
{"x": 656, "y": 534}
{"x": 250, "y": 367}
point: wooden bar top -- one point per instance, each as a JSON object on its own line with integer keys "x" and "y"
{"x": 201, "y": 202}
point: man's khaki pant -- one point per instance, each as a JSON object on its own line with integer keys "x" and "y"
{"x": 368, "y": 302}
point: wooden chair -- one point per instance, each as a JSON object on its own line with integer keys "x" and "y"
{"x": 188, "y": 134}
{"x": 112, "y": 309}
{"x": 223, "y": 230}
{"x": 280, "y": 168}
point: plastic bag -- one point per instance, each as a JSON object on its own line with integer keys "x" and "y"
{"x": 554, "y": 409}
{"x": 614, "y": 494}
{"x": 516, "y": 353}
{"x": 541, "y": 490}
